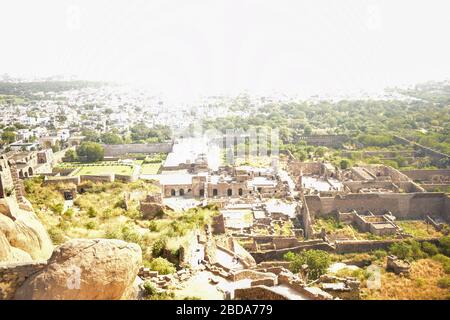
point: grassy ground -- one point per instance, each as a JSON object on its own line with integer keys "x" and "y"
{"x": 257, "y": 161}
{"x": 11, "y": 98}
{"x": 100, "y": 213}
{"x": 339, "y": 230}
{"x": 110, "y": 167}
{"x": 418, "y": 229}
{"x": 150, "y": 168}
{"x": 421, "y": 284}
{"x": 98, "y": 170}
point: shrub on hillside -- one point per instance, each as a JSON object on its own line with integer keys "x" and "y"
{"x": 430, "y": 248}
{"x": 360, "y": 274}
{"x": 91, "y": 225}
{"x": 407, "y": 250}
{"x": 317, "y": 261}
{"x": 91, "y": 212}
{"x": 56, "y": 235}
{"x": 69, "y": 213}
{"x": 444, "y": 283}
{"x": 149, "y": 288}
{"x": 120, "y": 204}
{"x": 163, "y": 266}
{"x": 57, "y": 208}
{"x": 380, "y": 254}
{"x": 444, "y": 260}
{"x": 444, "y": 243}
{"x": 158, "y": 247}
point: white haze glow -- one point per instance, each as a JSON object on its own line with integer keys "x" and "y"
{"x": 210, "y": 46}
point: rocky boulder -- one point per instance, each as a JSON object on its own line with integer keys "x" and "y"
{"x": 86, "y": 269}
{"x": 22, "y": 236}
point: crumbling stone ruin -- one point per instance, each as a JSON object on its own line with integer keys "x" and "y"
{"x": 226, "y": 182}
{"x": 397, "y": 265}
{"x": 368, "y": 222}
{"x": 152, "y": 207}
{"x": 343, "y": 288}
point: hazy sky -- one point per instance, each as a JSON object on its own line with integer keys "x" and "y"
{"x": 227, "y": 46}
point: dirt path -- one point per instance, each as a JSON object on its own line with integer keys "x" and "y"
{"x": 226, "y": 259}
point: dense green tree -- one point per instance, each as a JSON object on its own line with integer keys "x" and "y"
{"x": 71, "y": 155}
{"x": 90, "y": 135}
{"x": 90, "y": 151}
{"x": 111, "y": 138}
{"x": 344, "y": 164}
{"x": 8, "y": 136}
{"x": 307, "y": 131}
{"x": 317, "y": 261}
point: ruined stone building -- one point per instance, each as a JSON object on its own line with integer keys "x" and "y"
{"x": 230, "y": 182}
{"x": 30, "y": 163}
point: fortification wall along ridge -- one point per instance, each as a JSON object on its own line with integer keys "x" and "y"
{"x": 402, "y": 205}
{"x": 426, "y": 175}
{"x": 121, "y": 149}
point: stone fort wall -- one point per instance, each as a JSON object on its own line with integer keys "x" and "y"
{"x": 424, "y": 150}
{"x": 355, "y": 246}
{"x": 258, "y": 293}
{"x": 121, "y": 149}
{"x": 426, "y": 175}
{"x": 329, "y": 140}
{"x": 402, "y": 205}
{"x": 379, "y": 153}
{"x": 356, "y": 186}
{"x": 341, "y": 247}
{"x": 307, "y": 168}
{"x": 277, "y": 255}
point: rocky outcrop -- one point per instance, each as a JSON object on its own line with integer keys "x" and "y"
{"x": 86, "y": 269}
{"x": 22, "y": 236}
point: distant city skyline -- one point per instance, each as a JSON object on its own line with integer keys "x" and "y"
{"x": 226, "y": 47}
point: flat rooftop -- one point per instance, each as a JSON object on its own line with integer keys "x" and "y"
{"x": 169, "y": 179}
{"x": 320, "y": 184}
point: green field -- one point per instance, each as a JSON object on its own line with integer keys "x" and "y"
{"x": 11, "y": 99}
{"x": 150, "y": 168}
{"x": 98, "y": 170}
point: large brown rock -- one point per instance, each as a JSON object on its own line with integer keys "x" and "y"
{"x": 86, "y": 269}
{"x": 22, "y": 236}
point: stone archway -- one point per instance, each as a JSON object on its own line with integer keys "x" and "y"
{"x": 173, "y": 193}
{"x": 30, "y": 171}
{"x": 229, "y": 192}
{"x": 181, "y": 192}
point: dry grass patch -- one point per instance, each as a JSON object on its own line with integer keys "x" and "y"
{"x": 421, "y": 284}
